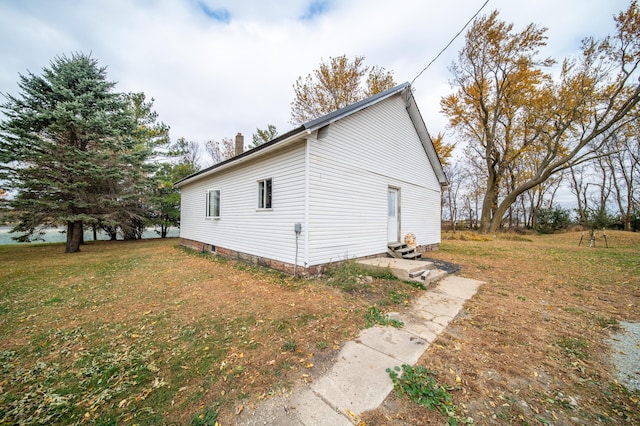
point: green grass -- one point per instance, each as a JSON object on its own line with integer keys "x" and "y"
{"x": 574, "y": 347}
{"x": 373, "y": 316}
{"x": 350, "y": 276}
{"x": 420, "y": 386}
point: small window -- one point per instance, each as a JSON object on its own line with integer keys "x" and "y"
{"x": 213, "y": 203}
{"x": 264, "y": 193}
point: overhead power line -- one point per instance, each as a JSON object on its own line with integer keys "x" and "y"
{"x": 450, "y": 42}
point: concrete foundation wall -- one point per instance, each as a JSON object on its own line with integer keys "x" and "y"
{"x": 251, "y": 259}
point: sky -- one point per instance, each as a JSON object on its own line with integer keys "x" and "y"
{"x": 219, "y": 67}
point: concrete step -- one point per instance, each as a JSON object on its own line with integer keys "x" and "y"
{"x": 401, "y": 268}
{"x": 417, "y": 273}
{"x": 433, "y": 275}
{"x": 394, "y": 254}
{"x": 405, "y": 250}
{"x": 413, "y": 255}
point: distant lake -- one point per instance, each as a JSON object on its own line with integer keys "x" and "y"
{"x": 57, "y": 235}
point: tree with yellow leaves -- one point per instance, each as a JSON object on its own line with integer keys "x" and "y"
{"x": 336, "y": 84}
{"x": 511, "y": 111}
{"x": 444, "y": 150}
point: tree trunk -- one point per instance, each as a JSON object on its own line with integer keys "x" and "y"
{"x": 488, "y": 206}
{"x": 112, "y": 231}
{"x": 500, "y": 212}
{"x": 74, "y": 234}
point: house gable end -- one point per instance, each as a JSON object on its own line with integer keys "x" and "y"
{"x": 322, "y": 123}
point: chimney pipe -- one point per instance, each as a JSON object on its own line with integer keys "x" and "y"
{"x": 239, "y": 143}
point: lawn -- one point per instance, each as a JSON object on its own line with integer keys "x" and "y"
{"x": 531, "y": 346}
{"x": 146, "y": 332}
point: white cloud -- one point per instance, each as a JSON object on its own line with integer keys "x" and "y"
{"x": 211, "y": 79}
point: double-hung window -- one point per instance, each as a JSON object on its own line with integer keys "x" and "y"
{"x": 265, "y": 188}
{"x": 213, "y": 204}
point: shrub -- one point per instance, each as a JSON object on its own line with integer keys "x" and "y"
{"x": 552, "y": 219}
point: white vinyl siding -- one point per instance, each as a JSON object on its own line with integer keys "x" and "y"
{"x": 351, "y": 169}
{"x": 336, "y": 187}
{"x": 241, "y": 226}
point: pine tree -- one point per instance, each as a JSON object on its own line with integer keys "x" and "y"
{"x": 165, "y": 207}
{"x": 67, "y": 148}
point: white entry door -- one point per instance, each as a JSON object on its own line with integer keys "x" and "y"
{"x": 393, "y": 216}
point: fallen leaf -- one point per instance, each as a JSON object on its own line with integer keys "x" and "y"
{"x": 239, "y": 409}
{"x": 353, "y": 416}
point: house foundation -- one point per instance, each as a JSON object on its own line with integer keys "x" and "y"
{"x": 310, "y": 271}
{"x": 424, "y": 248}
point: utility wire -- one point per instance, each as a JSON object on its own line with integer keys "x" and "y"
{"x": 450, "y": 42}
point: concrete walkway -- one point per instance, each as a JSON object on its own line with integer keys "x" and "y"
{"x": 358, "y": 382}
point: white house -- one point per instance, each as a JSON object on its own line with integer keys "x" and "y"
{"x": 339, "y": 187}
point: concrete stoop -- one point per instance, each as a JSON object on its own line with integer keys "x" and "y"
{"x": 406, "y": 269}
{"x": 358, "y": 381}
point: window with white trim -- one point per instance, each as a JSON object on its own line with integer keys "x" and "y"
{"x": 213, "y": 204}
{"x": 265, "y": 188}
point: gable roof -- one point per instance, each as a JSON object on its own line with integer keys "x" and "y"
{"x": 313, "y": 125}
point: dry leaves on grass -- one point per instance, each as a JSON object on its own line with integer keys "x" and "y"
{"x": 149, "y": 333}
{"x": 531, "y": 346}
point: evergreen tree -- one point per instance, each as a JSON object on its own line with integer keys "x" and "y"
{"x": 165, "y": 211}
{"x": 137, "y": 192}
{"x": 69, "y": 149}
{"x": 262, "y": 136}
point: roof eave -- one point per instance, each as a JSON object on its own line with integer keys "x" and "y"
{"x": 334, "y": 116}
{"x": 313, "y": 125}
{"x": 276, "y": 143}
{"x": 425, "y": 138}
